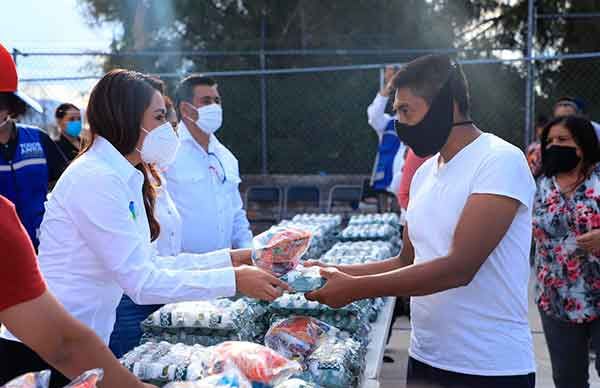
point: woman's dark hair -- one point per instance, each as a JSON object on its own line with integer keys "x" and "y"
{"x": 15, "y": 106}
{"x": 583, "y": 134}
{"x": 62, "y": 110}
{"x": 115, "y": 110}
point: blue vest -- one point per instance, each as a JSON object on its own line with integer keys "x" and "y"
{"x": 24, "y": 179}
{"x": 388, "y": 148}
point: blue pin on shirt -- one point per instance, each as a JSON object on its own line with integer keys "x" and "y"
{"x": 132, "y": 209}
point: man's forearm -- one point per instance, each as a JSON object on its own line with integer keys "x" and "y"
{"x": 414, "y": 280}
{"x": 374, "y": 268}
{"x": 83, "y": 350}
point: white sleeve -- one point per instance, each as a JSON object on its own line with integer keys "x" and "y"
{"x": 378, "y": 119}
{"x": 111, "y": 233}
{"x": 505, "y": 172}
{"x": 241, "y": 236}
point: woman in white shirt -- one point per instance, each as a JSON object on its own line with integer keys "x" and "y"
{"x": 99, "y": 222}
{"x": 127, "y": 331}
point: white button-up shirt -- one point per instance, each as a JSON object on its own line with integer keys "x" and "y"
{"x": 168, "y": 242}
{"x": 95, "y": 244}
{"x": 205, "y": 188}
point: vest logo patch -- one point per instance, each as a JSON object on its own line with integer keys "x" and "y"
{"x": 31, "y": 150}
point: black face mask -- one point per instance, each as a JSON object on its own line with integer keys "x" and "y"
{"x": 559, "y": 159}
{"x": 431, "y": 133}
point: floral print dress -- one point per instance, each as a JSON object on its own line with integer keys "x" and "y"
{"x": 568, "y": 277}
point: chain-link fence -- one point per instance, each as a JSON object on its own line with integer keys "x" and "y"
{"x": 313, "y": 120}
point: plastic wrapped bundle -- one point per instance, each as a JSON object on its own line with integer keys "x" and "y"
{"x": 335, "y": 363}
{"x": 353, "y": 318}
{"x": 323, "y": 236}
{"x": 370, "y": 232}
{"x": 298, "y": 337}
{"x": 30, "y": 380}
{"x": 230, "y": 378}
{"x": 161, "y": 363}
{"x": 279, "y": 249}
{"x": 88, "y": 379}
{"x": 223, "y": 318}
{"x": 258, "y": 363}
{"x": 304, "y": 279}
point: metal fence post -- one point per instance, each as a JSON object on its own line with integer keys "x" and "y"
{"x": 263, "y": 97}
{"x": 529, "y": 81}
{"x": 381, "y": 77}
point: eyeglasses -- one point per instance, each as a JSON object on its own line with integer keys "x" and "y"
{"x": 217, "y": 169}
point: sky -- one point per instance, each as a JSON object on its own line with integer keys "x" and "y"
{"x": 53, "y": 26}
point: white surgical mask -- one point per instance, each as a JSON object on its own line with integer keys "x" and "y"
{"x": 210, "y": 118}
{"x": 160, "y": 145}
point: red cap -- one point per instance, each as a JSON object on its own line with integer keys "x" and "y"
{"x": 9, "y": 79}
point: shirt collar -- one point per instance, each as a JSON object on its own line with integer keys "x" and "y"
{"x": 186, "y": 136}
{"x": 106, "y": 151}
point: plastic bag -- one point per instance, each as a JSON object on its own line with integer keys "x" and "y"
{"x": 304, "y": 279}
{"x": 279, "y": 249}
{"x": 230, "y": 378}
{"x": 88, "y": 379}
{"x": 258, "y": 363}
{"x": 298, "y": 337}
{"x": 30, "y": 380}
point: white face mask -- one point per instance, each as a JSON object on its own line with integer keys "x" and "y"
{"x": 210, "y": 118}
{"x": 160, "y": 145}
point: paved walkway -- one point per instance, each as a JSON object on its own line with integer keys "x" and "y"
{"x": 393, "y": 375}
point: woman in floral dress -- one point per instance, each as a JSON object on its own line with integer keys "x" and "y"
{"x": 567, "y": 235}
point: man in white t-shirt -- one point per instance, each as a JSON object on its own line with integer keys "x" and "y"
{"x": 466, "y": 242}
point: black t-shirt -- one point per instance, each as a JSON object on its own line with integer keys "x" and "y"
{"x": 67, "y": 150}
{"x": 55, "y": 160}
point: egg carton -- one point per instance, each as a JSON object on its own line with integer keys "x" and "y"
{"x": 391, "y": 219}
{"x": 304, "y": 279}
{"x": 241, "y": 319}
{"x": 369, "y": 232}
{"x": 162, "y": 362}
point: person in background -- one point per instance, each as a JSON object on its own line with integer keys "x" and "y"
{"x": 97, "y": 233}
{"x": 570, "y": 106}
{"x": 387, "y": 170}
{"x": 566, "y": 222}
{"x": 171, "y": 112}
{"x": 533, "y": 152}
{"x": 29, "y": 160}
{"x": 411, "y": 165}
{"x": 30, "y": 311}
{"x": 467, "y": 240}
{"x": 68, "y": 122}
{"x": 204, "y": 178}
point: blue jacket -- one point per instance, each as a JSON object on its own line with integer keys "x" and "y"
{"x": 24, "y": 178}
{"x": 388, "y": 148}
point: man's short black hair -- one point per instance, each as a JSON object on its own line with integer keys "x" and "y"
{"x": 577, "y": 103}
{"x": 15, "y": 106}
{"x": 426, "y": 75}
{"x": 62, "y": 109}
{"x": 185, "y": 90}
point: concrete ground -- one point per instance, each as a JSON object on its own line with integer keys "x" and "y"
{"x": 393, "y": 375}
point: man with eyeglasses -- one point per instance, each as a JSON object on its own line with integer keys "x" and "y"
{"x": 204, "y": 178}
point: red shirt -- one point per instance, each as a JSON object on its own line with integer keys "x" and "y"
{"x": 411, "y": 165}
{"x": 20, "y": 277}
